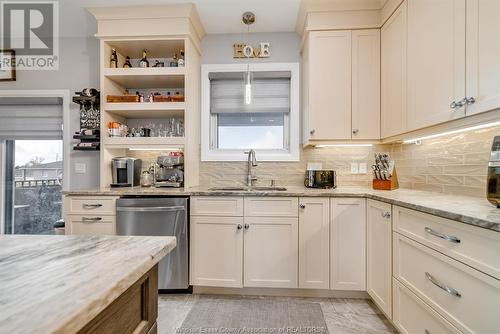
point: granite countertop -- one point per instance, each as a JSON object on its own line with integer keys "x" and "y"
{"x": 52, "y": 283}
{"x": 466, "y": 209}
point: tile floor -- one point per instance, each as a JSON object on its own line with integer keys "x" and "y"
{"x": 342, "y": 316}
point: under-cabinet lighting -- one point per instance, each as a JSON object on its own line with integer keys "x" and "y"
{"x": 343, "y": 145}
{"x": 472, "y": 128}
{"x": 155, "y": 149}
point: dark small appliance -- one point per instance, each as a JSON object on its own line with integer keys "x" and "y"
{"x": 169, "y": 171}
{"x": 320, "y": 179}
{"x": 126, "y": 172}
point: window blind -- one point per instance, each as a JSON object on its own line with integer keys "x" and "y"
{"x": 270, "y": 93}
{"x": 31, "y": 118}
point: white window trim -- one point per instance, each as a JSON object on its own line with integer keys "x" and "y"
{"x": 208, "y": 154}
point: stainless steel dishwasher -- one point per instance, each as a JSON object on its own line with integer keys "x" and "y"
{"x": 163, "y": 216}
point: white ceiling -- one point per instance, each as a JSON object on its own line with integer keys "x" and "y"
{"x": 218, "y": 16}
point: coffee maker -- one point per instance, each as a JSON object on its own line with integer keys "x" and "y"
{"x": 493, "y": 191}
{"x": 169, "y": 171}
{"x": 126, "y": 172}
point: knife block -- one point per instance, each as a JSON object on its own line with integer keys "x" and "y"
{"x": 387, "y": 184}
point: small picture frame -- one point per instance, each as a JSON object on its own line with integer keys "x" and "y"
{"x": 8, "y": 73}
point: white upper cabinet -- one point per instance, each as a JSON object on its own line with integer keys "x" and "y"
{"x": 366, "y": 84}
{"x": 436, "y": 61}
{"x": 483, "y": 55}
{"x": 329, "y": 85}
{"x": 393, "y": 74}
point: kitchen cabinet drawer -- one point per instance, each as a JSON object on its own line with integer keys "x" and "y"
{"x": 474, "y": 246}
{"x": 466, "y": 297}
{"x": 217, "y": 206}
{"x": 271, "y": 207}
{"x": 412, "y": 315}
{"x": 95, "y": 205}
{"x": 91, "y": 225}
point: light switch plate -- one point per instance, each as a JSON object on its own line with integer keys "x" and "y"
{"x": 362, "y": 168}
{"x": 354, "y": 168}
{"x": 80, "y": 168}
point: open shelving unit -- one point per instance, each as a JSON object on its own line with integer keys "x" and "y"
{"x": 180, "y": 30}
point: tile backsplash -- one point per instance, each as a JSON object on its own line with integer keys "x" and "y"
{"x": 452, "y": 164}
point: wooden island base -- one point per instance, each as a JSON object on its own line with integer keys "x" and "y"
{"x": 135, "y": 311}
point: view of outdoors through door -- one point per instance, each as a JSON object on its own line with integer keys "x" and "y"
{"x": 34, "y": 178}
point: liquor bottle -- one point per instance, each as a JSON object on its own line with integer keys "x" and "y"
{"x": 174, "y": 63}
{"x": 144, "y": 61}
{"x": 181, "y": 59}
{"x": 127, "y": 63}
{"x": 113, "y": 62}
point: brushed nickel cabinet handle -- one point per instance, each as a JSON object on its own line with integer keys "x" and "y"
{"x": 312, "y": 132}
{"x": 355, "y": 131}
{"x": 449, "y": 238}
{"x": 239, "y": 226}
{"x": 246, "y": 226}
{"x": 442, "y": 286}
{"x": 470, "y": 100}
{"x": 91, "y": 206}
{"x": 302, "y": 206}
{"x": 91, "y": 220}
{"x": 386, "y": 215}
{"x": 457, "y": 104}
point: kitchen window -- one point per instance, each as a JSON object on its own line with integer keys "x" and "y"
{"x": 268, "y": 123}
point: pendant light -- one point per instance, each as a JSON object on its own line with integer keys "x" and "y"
{"x": 248, "y": 18}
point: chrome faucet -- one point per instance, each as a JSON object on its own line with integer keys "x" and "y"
{"x": 252, "y": 162}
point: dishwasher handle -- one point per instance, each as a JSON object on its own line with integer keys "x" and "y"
{"x": 151, "y": 208}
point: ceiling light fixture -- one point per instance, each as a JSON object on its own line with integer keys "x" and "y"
{"x": 471, "y": 128}
{"x": 248, "y": 18}
{"x": 343, "y": 145}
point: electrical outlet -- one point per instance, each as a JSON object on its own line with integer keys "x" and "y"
{"x": 80, "y": 168}
{"x": 354, "y": 168}
{"x": 362, "y": 168}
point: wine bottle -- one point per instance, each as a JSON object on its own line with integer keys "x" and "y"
{"x": 113, "y": 62}
{"x": 144, "y": 61}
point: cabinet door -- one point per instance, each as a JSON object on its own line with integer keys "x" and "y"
{"x": 216, "y": 251}
{"x": 366, "y": 84}
{"x": 314, "y": 243}
{"x": 393, "y": 74}
{"x": 348, "y": 244}
{"x": 271, "y": 252}
{"x": 436, "y": 61}
{"x": 378, "y": 254}
{"x": 329, "y": 110}
{"x": 483, "y": 55}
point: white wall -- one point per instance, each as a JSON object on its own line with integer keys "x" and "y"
{"x": 218, "y": 48}
{"x": 79, "y": 68}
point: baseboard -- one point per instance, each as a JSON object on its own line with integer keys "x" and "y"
{"x": 315, "y": 293}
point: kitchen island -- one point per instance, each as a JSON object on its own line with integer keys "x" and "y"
{"x": 70, "y": 284}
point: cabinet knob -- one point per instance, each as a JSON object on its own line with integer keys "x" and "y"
{"x": 247, "y": 226}
{"x": 457, "y": 104}
{"x": 239, "y": 226}
{"x": 386, "y": 214}
{"x": 470, "y": 100}
{"x": 302, "y": 206}
{"x": 355, "y": 131}
{"x": 312, "y": 132}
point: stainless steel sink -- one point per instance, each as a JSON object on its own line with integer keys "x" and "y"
{"x": 228, "y": 189}
{"x": 268, "y": 188}
{"x": 248, "y": 189}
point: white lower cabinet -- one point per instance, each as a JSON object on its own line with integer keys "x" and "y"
{"x": 348, "y": 244}
{"x": 411, "y": 315}
{"x": 378, "y": 254}
{"x": 217, "y": 251}
{"x": 466, "y": 297}
{"x": 314, "y": 242}
{"x": 271, "y": 252}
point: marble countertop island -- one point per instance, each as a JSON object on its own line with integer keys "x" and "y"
{"x": 57, "y": 284}
{"x": 465, "y": 209}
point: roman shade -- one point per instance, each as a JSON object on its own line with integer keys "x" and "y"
{"x": 31, "y": 118}
{"x": 270, "y": 93}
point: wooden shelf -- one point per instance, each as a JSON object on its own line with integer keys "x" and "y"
{"x": 156, "y": 48}
{"x": 146, "y": 109}
{"x": 143, "y": 142}
{"x": 151, "y": 77}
